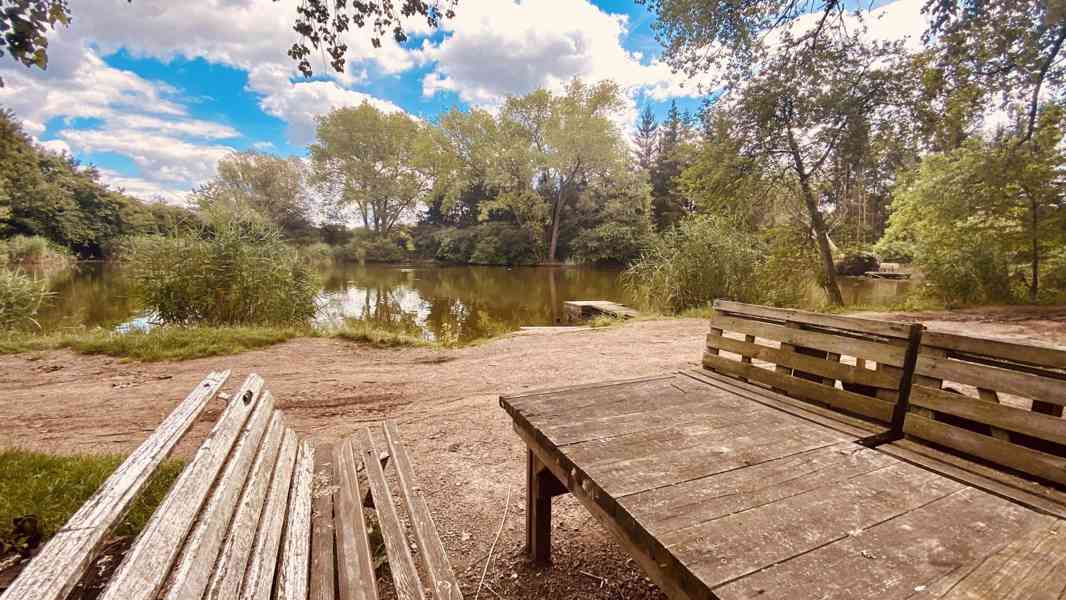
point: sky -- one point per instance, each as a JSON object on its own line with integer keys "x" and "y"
{"x": 155, "y": 92}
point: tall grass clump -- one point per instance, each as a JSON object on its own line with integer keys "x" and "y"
{"x": 236, "y": 270}
{"x": 34, "y": 250}
{"x": 703, "y": 258}
{"x": 711, "y": 256}
{"x": 21, "y": 296}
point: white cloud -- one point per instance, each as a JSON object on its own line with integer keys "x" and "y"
{"x": 144, "y": 189}
{"x": 497, "y": 49}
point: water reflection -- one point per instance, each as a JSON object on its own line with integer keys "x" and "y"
{"x": 453, "y": 303}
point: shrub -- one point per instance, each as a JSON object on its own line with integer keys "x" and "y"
{"x": 610, "y": 242}
{"x": 970, "y": 271}
{"x": 455, "y": 245}
{"x": 318, "y": 252}
{"x": 501, "y": 244}
{"x": 894, "y": 249}
{"x": 703, "y": 258}
{"x": 38, "y": 251}
{"x": 21, "y": 296}
{"x": 238, "y": 271}
{"x": 791, "y": 267}
{"x": 367, "y": 246}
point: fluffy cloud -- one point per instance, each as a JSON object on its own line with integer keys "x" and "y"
{"x": 497, "y": 49}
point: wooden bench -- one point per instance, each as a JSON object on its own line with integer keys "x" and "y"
{"x": 254, "y": 514}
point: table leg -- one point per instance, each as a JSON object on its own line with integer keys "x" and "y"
{"x": 541, "y": 487}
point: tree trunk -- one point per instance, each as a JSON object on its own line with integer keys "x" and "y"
{"x": 821, "y": 236}
{"x": 1034, "y": 285}
{"x": 557, "y": 212}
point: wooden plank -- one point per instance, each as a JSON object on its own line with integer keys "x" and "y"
{"x": 881, "y": 352}
{"x": 1016, "y": 383}
{"x": 144, "y": 570}
{"x": 870, "y": 326}
{"x": 897, "y": 558}
{"x": 1023, "y": 492}
{"x": 323, "y": 572}
{"x": 63, "y": 560}
{"x": 189, "y": 577}
{"x": 1032, "y": 566}
{"x": 569, "y": 398}
{"x": 867, "y": 406}
{"x": 740, "y": 544}
{"x": 355, "y": 570}
{"x": 997, "y": 415}
{"x": 263, "y": 561}
{"x": 1008, "y": 351}
{"x": 401, "y": 564}
{"x": 441, "y": 576}
{"x": 660, "y": 566}
{"x": 674, "y": 507}
{"x": 228, "y": 572}
{"x": 292, "y": 580}
{"x": 853, "y": 426}
{"x": 827, "y": 368}
{"x": 1036, "y": 463}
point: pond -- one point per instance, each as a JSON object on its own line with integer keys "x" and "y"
{"x": 458, "y": 303}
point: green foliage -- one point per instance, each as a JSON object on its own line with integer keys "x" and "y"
{"x": 490, "y": 243}
{"x": 21, "y": 296}
{"x": 895, "y": 249}
{"x": 169, "y": 342}
{"x": 368, "y": 246}
{"x": 703, "y": 258}
{"x": 380, "y": 335}
{"x": 610, "y": 243}
{"x": 790, "y": 268}
{"x": 52, "y": 488}
{"x": 316, "y": 253}
{"x": 35, "y": 250}
{"x": 238, "y": 271}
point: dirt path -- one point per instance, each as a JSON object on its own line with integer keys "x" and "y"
{"x": 466, "y": 455}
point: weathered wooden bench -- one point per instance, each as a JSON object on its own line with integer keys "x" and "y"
{"x": 256, "y": 513}
{"x": 818, "y": 456}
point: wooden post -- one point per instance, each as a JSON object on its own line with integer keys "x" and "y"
{"x": 541, "y": 487}
{"x": 910, "y": 362}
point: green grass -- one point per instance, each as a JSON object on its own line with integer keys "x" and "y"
{"x": 160, "y": 343}
{"x": 368, "y": 332}
{"x": 52, "y": 488}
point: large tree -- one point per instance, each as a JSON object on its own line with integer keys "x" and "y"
{"x": 272, "y": 186}
{"x": 377, "y": 163}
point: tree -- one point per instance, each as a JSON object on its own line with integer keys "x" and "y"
{"x": 272, "y": 186}
{"x": 375, "y": 162}
{"x": 671, "y": 158}
{"x": 647, "y": 139}
{"x": 24, "y": 26}
{"x": 986, "y": 213}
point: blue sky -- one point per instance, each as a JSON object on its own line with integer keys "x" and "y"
{"x": 155, "y": 92}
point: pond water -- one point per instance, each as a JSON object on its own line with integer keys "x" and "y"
{"x": 458, "y": 303}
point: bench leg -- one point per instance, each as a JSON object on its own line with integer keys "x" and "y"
{"x": 541, "y": 487}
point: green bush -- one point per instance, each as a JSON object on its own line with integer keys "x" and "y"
{"x": 610, "y": 242}
{"x": 316, "y": 253}
{"x": 501, "y": 244}
{"x": 36, "y": 250}
{"x": 455, "y": 245}
{"x": 894, "y": 249}
{"x": 237, "y": 271}
{"x": 21, "y": 296}
{"x": 790, "y": 269}
{"x": 969, "y": 271}
{"x": 367, "y": 246}
{"x": 703, "y": 258}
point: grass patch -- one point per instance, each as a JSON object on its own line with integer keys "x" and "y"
{"x": 52, "y": 488}
{"x": 369, "y": 332}
{"x": 157, "y": 344}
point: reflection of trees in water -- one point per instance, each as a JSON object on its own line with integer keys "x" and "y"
{"x": 90, "y": 293}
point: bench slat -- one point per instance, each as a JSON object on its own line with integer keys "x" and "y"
{"x": 323, "y": 574}
{"x": 144, "y": 570}
{"x": 870, "y": 326}
{"x": 1016, "y": 383}
{"x": 996, "y": 415}
{"x": 232, "y": 561}
{"x": 60, "y": 565}
{"x": 295, "y": 554}
{"x": 441, "y": 575}
{"x": 401, "y": 564}
{"x": 264, "y": 560}
{"x": 190, "y": 576}
{"x": 355, "y": 570}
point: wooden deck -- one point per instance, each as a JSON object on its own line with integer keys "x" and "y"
{"x": 720, "y": 489}
{"x": 577, "y": 310}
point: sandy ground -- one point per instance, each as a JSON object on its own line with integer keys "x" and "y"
{"x": 445, "y": 401}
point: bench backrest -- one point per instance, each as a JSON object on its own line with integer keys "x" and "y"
{"x": 998, "y": 401}
{"x": 811, "y": 353}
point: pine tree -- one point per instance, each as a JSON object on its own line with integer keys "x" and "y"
{"x": 667, "y": 204}
{"x": 647, "y": 139}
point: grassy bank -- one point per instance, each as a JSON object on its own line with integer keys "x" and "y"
{"x": 39, "y": 492}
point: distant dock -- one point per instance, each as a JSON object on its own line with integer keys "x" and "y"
{"x": 579, "y": 310}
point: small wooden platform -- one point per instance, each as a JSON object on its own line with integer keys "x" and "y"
{"x": 722, "y": 489}
{"x": 887, "y": 275}
{"x": 577, "y": 310}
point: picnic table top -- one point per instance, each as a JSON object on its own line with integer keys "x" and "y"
{"x": 720, "y": 495}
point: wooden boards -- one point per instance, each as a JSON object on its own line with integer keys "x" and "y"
{"x": 59, "y": 566}
{"x": 760, "y": 502}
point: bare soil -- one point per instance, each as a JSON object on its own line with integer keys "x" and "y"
{"x": 466, "y": 456}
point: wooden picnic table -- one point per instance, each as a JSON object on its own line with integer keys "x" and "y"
{"x": 720, "y": 488}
